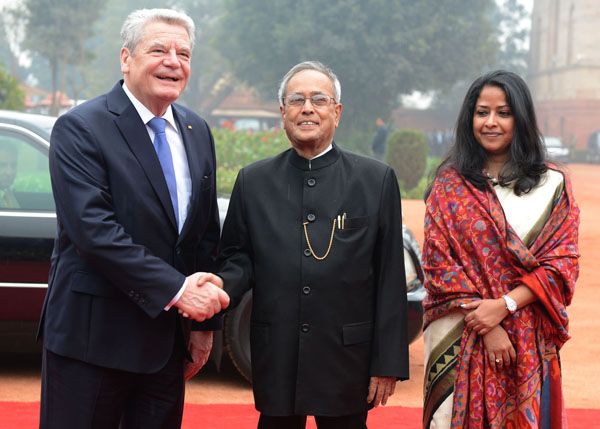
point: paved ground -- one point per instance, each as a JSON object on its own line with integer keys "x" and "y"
{"x": 19, "y": 377}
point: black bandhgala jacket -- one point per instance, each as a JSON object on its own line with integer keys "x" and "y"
{"x": 320, "y": 328}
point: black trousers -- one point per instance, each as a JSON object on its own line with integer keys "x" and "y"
{"x": 77, "y": 394}
{"x": 352, "y": 421}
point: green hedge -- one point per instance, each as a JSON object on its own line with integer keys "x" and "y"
{"x": 236, "y": 149}
{"x": 407, "y": 155}
{"x": 418, "y": 191}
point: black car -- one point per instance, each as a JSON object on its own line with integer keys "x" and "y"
{"x": 28, "y": 227}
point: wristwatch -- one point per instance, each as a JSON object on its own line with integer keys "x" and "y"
{"x": 511, "y": 304}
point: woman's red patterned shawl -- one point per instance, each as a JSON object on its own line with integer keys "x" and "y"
{"x": 471, "y": 253}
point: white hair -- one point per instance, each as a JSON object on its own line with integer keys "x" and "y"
{"x": 310, "y": 65}
{"x": 132, "y": 31}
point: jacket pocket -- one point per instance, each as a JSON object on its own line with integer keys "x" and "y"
{"x": 356, "y": 222}
{"x": 260, "y": 333}
{"x": 356, "y": 333}
{"x": 88, "y": 283}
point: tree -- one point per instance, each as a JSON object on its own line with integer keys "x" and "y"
{"x": 407, "y": 155}
{"x": 105, "y": 70}
{"x": 380, "y": 49}
{"x": 11, "y": 96}
{"x": 6, "y": 54}
{"x": 513, "y": 38}
{"x": 58, "y": 30}
{"x": 210, "y": 81}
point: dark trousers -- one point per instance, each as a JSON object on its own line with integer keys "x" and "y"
{"x": 352, "y": 421}
{"x": 77, "y": 394}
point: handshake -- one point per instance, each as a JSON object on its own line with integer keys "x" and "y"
{"x": 203, "y": 297}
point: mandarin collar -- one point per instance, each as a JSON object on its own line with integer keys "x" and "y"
{"x": 316, "y": 163}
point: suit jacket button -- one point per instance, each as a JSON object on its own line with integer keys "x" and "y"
{"x": 305, "y": 327}
{"x": 306, "y": 252}
{"x": 178, "y": 250}
{"x": 306, "y": 290}
{"x": 311, "y": 217}
{"x": 311, "y": 182}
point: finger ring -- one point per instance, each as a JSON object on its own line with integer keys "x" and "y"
{"x": 498, "y": 360}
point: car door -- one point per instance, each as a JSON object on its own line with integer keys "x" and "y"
{"x": 27, "y": 223}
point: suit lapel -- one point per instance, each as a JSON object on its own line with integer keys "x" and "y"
{"x": 193, "y": 156}
{"x": 136, "y": 136}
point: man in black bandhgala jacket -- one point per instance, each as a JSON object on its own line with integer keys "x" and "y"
{"x": 316, "y": 232}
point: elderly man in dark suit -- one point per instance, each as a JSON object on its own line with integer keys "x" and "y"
{"x": 133, "y": 177}
{"x": 317, "y": 233}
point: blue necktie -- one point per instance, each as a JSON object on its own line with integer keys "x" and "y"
{"x": 161, "y": 145}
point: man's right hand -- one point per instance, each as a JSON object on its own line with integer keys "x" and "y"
{"x": 203, "y": 297}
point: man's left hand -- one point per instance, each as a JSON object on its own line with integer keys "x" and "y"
{"x": 199, "y": 346}
{"x": 380, "y": 389}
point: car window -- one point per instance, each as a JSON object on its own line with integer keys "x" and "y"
{"x": 24, "y": 176}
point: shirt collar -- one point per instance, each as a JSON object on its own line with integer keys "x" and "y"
{"x": 145, "y": 114}
{"x": 324, "y": 152}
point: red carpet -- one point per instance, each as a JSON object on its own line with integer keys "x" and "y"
{"x": 24, "y": 415}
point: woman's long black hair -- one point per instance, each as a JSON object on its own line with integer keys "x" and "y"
{"x": 527, "y": 155}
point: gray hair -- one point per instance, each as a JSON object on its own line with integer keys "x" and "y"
{"x": 132, "y": 31}
{"x": 310, "y": 65}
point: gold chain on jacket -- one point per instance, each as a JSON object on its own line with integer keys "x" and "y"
{"x": 310, "y": 247}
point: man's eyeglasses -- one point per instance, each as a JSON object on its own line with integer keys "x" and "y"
{"x": 317, "y": 100}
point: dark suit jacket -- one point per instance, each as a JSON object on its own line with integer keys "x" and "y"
{"x": 319, "y": 328}
{"x": 118, "y": 259}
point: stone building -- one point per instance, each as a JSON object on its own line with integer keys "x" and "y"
{"x": 564, "y": 68}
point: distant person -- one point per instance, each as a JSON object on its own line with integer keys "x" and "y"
{"x": 8, "y": 172}
{"x": 378, "y": 145}
{"x": 133, "y": 177}
{"x": 501, "y": 261}
{"x": 316, "y": 233}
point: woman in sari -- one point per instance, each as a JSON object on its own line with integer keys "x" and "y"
{"x": 501, "y": 260}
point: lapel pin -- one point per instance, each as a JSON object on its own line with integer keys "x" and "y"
{"x": 189, "y": 127}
